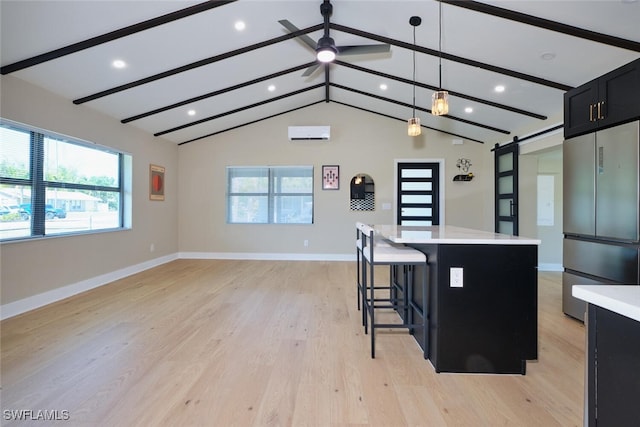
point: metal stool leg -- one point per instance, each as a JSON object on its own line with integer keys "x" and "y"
{"x": 373, "y": 310}
{"x": 358, "y": 281}
{"x": 409, "y": 292}
{"x": 365, "y": 302}
{"x": 425, "y": 311}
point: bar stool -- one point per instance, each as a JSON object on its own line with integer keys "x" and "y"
{"x": 360, "y": 266}
{"x": 392, "y": 255}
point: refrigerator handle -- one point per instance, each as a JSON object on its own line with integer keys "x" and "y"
{"x": 600, "y": 160}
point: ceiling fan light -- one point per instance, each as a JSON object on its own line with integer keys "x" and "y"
{"x": 326, "y": 50}
{"x": 414, "y": 128}
{"x": 440, "y": 103}
{"x": 326, "y": 55}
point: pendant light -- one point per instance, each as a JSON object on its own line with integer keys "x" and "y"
{"x": 414, "y": 128}
{"x": 440, "y": 98}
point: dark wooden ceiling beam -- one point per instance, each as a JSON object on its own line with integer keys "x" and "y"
{"x": 426, "y": 110}
{"x": 546, "y": 24}
{"x": 217, "y": 92}
{"x": 250, "y": 123}
{"x": 237, "y": 110}
{"x": 434, "y": 88}
{"x": 453, "y": 58}
{"x": 113, "y": 35}
{"x": 196, "y": 64}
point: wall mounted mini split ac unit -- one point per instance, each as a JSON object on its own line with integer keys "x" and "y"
{"x": 309, "y": 133}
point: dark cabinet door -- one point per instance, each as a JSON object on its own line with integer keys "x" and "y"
{"x": 619, "y": 95}
{"x": 606, "y": 101}
{"x": 580, "y": 109}
{"x": 613, "y": 369}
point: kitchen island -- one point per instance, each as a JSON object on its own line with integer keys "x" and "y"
{"x": 483, "y": 291}
{"x": 612, "y": 383}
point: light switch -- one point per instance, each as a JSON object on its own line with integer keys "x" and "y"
{"x": 455, "y": 277}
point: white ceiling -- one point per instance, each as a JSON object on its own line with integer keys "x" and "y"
{"x": 31, "y": 28}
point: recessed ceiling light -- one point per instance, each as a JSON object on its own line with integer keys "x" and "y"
{"x": 499, "y": 88}
{"x": 271, "y": 88}
{"x": 119, "y": 63}
{"x": 468, "y": 110}
{"x": 548, "y": 56}
{"x": 383, "y": 86}
{"x": 239, "y": 25}
{"x": 191, "y": 112}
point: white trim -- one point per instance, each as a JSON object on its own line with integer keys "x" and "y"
{"x": 550, "y": 267}
{"x": 268, "y": 256}
{"x": 36, "y": 301}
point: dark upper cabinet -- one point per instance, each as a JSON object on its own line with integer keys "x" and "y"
{"x": 609, "y": 100}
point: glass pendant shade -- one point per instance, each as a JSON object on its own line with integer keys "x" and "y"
{"x": 440, "y": 103}
{"x": 414, "y": 128}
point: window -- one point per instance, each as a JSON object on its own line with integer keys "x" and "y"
{"x": 270, "y": 195}
{"x": 51, "y": 185}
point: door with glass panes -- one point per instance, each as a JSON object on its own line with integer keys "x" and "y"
{"x": 506, "y": 188}
{"x": 418, "y": 197}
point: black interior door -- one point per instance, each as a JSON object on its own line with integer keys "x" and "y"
{"x": 418, "y": 194}
{"x": 506, "y": 188}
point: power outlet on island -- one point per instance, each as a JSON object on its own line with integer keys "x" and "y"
{"x": 455, "y": 277}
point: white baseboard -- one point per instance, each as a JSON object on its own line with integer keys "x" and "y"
{"x": 267, "y": 256}
{"x": 31, "y": 303}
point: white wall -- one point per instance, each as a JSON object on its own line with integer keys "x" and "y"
{"x": 360, "y": 143}
{"x": 191, "y": 221}
{"x": 550, "y": 164}
{"x": 544, "y": 156}
{"x": 48, "y": 265}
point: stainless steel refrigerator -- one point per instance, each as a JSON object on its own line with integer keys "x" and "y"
{"x": 600, "y": 211}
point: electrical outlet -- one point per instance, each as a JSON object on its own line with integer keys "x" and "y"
{"x": 455, "y": 277}
{"x": 306, "y": 243}
{"x": 152, "y": 247}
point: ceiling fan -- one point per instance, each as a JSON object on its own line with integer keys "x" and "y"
{"x": 326, "y": 49}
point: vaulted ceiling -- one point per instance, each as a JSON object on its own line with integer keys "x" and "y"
{"x": 186, "y": 56}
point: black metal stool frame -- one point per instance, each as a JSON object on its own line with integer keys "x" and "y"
{"x": 408, "y": 306}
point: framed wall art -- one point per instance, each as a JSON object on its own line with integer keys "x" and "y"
{"x": 156, "y": 182}
{"x": 330, "y": 177}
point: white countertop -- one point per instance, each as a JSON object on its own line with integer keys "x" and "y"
{"x": 621, "y": 299}
{"x": 448, "y": 234}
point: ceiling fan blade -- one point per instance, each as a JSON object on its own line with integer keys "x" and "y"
{"x": 363, "y": 49}
{"x": 310, "y": 70}
{"x": 292, "y": 29}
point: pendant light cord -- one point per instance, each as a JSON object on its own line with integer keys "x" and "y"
{"x": 414, "y": 71}
{"x": 439, "y": 43}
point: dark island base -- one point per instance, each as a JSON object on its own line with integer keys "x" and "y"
{"x": 490, "y": 325}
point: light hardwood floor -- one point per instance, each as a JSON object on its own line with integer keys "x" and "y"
{"x": 243, "y": 343}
